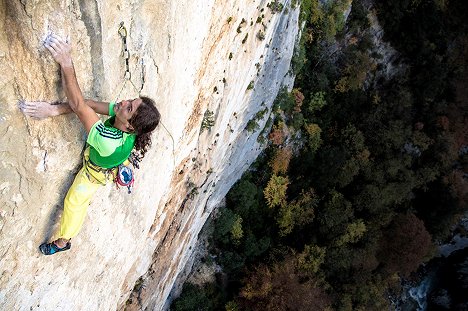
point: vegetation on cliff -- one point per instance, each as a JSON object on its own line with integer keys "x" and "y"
{"x": 364, "y": 169}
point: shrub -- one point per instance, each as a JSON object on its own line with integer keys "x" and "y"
{"x": 252, "y": 126}
{"x": 260, "y": 35}
{"x": 208, "y": 120}
{"x": 275, "y": 6}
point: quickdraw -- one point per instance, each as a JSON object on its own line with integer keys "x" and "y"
{"x": 126, "y": 54}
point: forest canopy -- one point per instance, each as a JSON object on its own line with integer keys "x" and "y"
{"x": 365, "y": 168}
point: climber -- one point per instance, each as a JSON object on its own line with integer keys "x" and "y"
{"x": 109, "y": 144}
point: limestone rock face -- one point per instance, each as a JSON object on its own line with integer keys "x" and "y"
{"x": 192, "y": 57}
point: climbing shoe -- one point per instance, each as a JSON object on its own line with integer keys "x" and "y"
{"x": 51, "y": 248}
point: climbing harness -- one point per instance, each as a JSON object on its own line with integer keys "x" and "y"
{"x": 122, "y": 174}
{"x": 108, "y": 172}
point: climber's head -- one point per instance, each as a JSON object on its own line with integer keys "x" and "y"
{"x": 142, "y": 117}
{"x": 139, "y": 115}
{"x": 146, "y": 116}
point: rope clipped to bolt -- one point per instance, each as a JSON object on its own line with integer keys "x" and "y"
{"x": 128, "y": 77}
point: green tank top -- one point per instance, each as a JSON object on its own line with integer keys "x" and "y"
{"x": 109, "y": 146}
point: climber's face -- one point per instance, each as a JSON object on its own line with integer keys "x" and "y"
{"x": 126, "y": 109}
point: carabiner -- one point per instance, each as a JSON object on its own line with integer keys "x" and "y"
{"x": 122, "y": 30}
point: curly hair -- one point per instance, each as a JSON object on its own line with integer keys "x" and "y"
{"x": 144, "y": 121}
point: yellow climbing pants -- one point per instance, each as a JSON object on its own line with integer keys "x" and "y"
{"x": 86, "y": 183}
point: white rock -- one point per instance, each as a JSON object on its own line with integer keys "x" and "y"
{"x": 185, "y": 47}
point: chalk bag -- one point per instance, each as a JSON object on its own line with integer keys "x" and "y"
{"x": 125, "y": 177}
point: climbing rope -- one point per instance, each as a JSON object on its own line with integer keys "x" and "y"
{"x": 128, "y": 78}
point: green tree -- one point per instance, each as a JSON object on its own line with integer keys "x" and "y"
{"x": 243, "y": 197}
{"x": 275, "y": 191}
{"x": 317, "y": 102}
{"x": 231, "y": 261}
{"x": 311, "y": 258}
{"x": 354, "y": 232}
{"x": 228, "y": 227}
{"x": 192, "y": 298}
{"x": 256, "y": 246}
{"x": 236, "y": 231}
{"x": 314, "y": 140}
{"x": 355, "y": 72}
{"x": 297, "y": 213}
{"x": 335, "y": 215}
{"x": 284, "y": 101}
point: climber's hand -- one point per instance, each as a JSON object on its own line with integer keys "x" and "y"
{"x": 38, "y": 110}
{"x": 60, "y": 50}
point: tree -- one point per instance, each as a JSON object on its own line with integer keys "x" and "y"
{"x": 355, "y": 72}
{"x": 313, "y": 132}
{"x": 192, "y": 298}
{"x": 275, "y": 191}
{"x": 236, "y": 231}
{"x": 280, "y": 161}
{"x": 254, "y": 246}
{"x": 368, "y": 295}
{"x": 317, "y": 102}
{"x": 298, "y": 99}
{"x": 277, "y": 135}
{"x": 243, "y": 197}
{"x": 281, "y": 287}
{"x": 310, "y": 259}
{"x": 354, "y": 232}
{"x": 231, "y": 261}
{"x": 405, "y": 244}
{"x": 284, "y": 101}
{"x": 228, "y": 227}
{"x": 232, "y": 306}
{"x": 297, "y": 213}
{"x": 334, "y": 215}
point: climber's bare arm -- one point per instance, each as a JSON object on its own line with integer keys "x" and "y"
{"x": 42, "y": 109}
{"x": 98, "y": 107}
{"x": 61, "y": 52}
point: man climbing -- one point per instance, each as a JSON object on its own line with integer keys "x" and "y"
{"x": 109, "y": 144}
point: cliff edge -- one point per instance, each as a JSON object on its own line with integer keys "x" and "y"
{"x": 210, "y": 65}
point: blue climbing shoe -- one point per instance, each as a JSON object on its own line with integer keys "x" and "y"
{"x": 51, "y": 248}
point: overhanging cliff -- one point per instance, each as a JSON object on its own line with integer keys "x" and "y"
{"x": 228, "y": 58}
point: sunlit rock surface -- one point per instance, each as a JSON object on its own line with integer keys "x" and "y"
{"x": 190, "y": 56}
